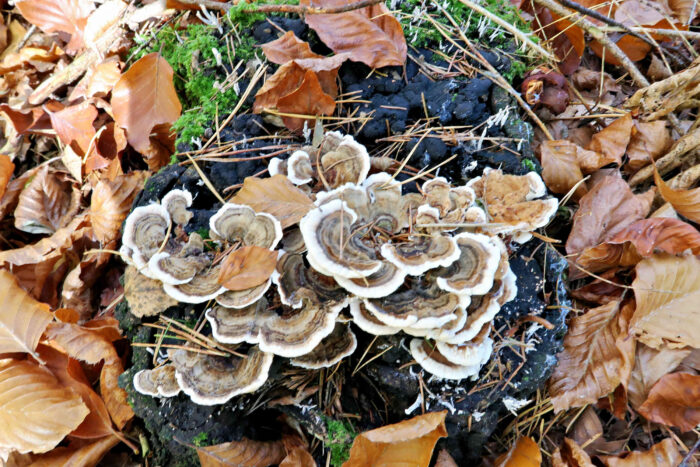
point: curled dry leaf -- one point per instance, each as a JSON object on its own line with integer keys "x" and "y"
{"x": 111, "y": 202}
{"x": 604, "y": 211}
{"x": 103, "y": 77}
{"x": 524, "y": 453}
{"x": 649, "y": 366}
{"x": 22, "y": 319}
{"x": 640, "y": 240}
{"x": 247, "y": 267}
{"x": 308, "y": 99}
{"x": 410, "y": 442}
{"x": 145, "y": 97}
{"x": 685, "y": 202}
{"x": 612, "y": 141}
{"x": 76, "y": 454}
{"x": 649, "y": 141}
{"x": 444, "y": 459}
{"x": 370, "y": 35}
{"x": 275, "y": 195}
{"x": 244, "y": 453}
{"x": 286, "y": 48}
{"x": 146, "y": 296}
{"x": 67, "y": 16}
{"x": 6, "y": 170}
{"x": 560, "y": 167}
{"x": 27, "y": 121}
{"x": 73, "y": 125}
{"x": 570, "y": 454}
{"x": 597, "y": 357}
{"x": 667, "y": 292}
{"x": 36, "y": 411}
{"x": 664, "y": 453}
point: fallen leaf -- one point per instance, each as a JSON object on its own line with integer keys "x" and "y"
{"x": 410, "y": 442}
{"x": 570, "y": 454}
{"x": 603, "y": 290}
{"x": 664, "y": 453}
{"x": 639, "y": 240}
{"x": 146, "y": 296}
{"x": 370, "y": 35}
{"x": 649, "y": 366}
{"x": 145, "y": 97}
{"x": 604, "y": 211}
{"x": 73, "y": 125}
{"x": 247, "y": 267}
{"x": 36, "y": 411}
{"x": 682, "y": 9}
{"x": 650, "y": 140}
{"x": 111, "y": 202}
{"x": 524, "y": 453}
{"x": 105, "y": 17}
{"x": 298, "y": 457}
{"x": 685, "y": 202}
{"x": 68, "y": 16}
{"x": 84, "y": 455}
{"x": 6, "y": 170}
{"x": 286, "y": 48}
{"x": 588, "y": 432}
{"x": 26, "y": 121}
{"x": 110, "y": 142}
{"x": 286, "y": 79}
{"x": 611, "y": 142}
{"x": 597, "y": 357}
{"x": 560, "y": 167}
{"x": 667, "y": 292}
{"x": 103, "y": 77}
{"x": 274, "y": 195}
{"x": 244, "y": 453}
{"x": 22, "y": 319}
{"x": 161, "y": 145}
{"x": 307, "y": 99}
{"x": 444, "y": 459}
{"x": 77, "y": 291}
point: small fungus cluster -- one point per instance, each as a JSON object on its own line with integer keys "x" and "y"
{"x": 431, "y": 264}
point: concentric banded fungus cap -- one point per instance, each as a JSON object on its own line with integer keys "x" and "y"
{"x": 481, "y": 311}
{"x": 204, "y": 286}
{"x": 211, "y": 380}
{"x": 240, "y": 223}
{"x": 348, "y": 162}
{"x": 295, "y": 280}
{"x": 475, "y": 352}
{"x": 368, "y": 322}
{"x": 145, "y": 230}
{"x": 421, "y": 253}
{"x": 292, "y": 334}
{"x": 293, "y": 242}
{"x": 379, "y": 284}
{"x": 175, "y": 270}
{"x": 158, "y": 382}
{"x": 437, "y": 194}
{"x": 418, "y": 305}
{"x": 177, "y": 202}
{"x": 474, "y": 271}
{"x": 243, "y": 298}
{"x": 444, "y": 332}
{"x": 299, "y": 168}
{"x": 334, "y": 247}
{"x": 434, "y": 362}
{"x": 336, "y": 346}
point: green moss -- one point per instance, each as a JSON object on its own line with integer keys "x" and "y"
{"x": 200, "y": 439}
{"x": 341, "y": 434}
{"x": 529, "y": 165}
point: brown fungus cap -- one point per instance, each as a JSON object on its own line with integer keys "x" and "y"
{"x": 211, "y": 380}
{"x": 295, "y": 280}
{"x": 336, "y": 346}
{"x": 432, "y": 361}
{"x": 421, "y": 253}
{"x": 347, "y": 162}
{"x": 177, "y": 202}
{"x": 368, "y": 322}
{"x": 475, "y": 352}
{"x": 243, "y": 298}
{"x": 299, "y": 168}
{"x": 176, "y": 270}
{"x": 240, "y": 223}
{"x": 204, "y": 286}
{"x": 158, "y": 382}
{"x": 474, "y": 270}
{"x": 385, "y": 281}
{"x": 145, "y": 232}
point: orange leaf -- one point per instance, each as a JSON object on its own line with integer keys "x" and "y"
{"x": 674, "y": 400}
{"x": 103, "y": 78}
{"x": 286, "y": 79}
{"x": 560, "y": 167}
{"x": 145, "y": 97}
{"x": 307, "y": 99}
{"x": 371, "y": 35}
{"x": 649, "y": 366}
{"x": 275, "y": 195}
{"x": 685, "y": 202}
{"x": 410, "y": 442}
{"x": 6, "y": 170}
{"x": 247, "y": 267}
{"x": 244, "y": 453}
{"x": 161, "y": 146}
{"x": 78, "y": 455}
{"x": 111, "y": 202}
{"x": 26, "y": 121}
{"x": 524, "y": 453}
{"x": 570, "y": 454}
{"x": 649, "y": 141}
{"x": 286, "y": 48}
{"x": 611, "y": 143}
{"x": 73, "y": 124}
{"x": 108, "y": 145}
{"x": 68, "y": 16}
{"x": 597, "y": 357}
{"x": 664, "y": 453}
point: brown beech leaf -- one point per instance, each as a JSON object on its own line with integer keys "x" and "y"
{"x": 371, "y": 35}
{"x": 67, "y": 16}
{"x": 667, "y": 292}
{"x": 570, "y": 454}
{"x": 612, "y": 141}
{"x": 649, "y": 366}
{"x": 110, "y": 142}
{"x": 27, "y": 121}
{"x": 36, "y": 411}
{"x": 50, "y": 201}
{"x": 560, "y": 167}
{"x": 597, "y": 357}
{"x": 674, "y": 400}
{"x": 640, "y": 240}
{"x": 161, "y": 145}
{"x": 286, "y": 79}
{"x": 247, "y": 267}
{"x": 605, "y": 210}
{"x": 103, "y": 77}
{"x": 76, "y": 454}
{"x": 524, "y": 453}
{"x": 22, "y": 319}
{"x": 73, "y": 125}
{"x": 275, "y": 195}
{"x": 410, "y": 442}
{"x": 6, "y": 170}
{"x": 649, "y": 141}
{"x": 244, "y": 453}
{"x": 588, "y": 431}
{"x": 444, "y": 459}
{"x": 145, "y": 97}
{"x": 286, "y": 48}
{"x": 685, "y": 202}
{"x": 111, "y": 202}
{"x": 307, "y": 99}
{"x": 661, "y": 454}
{"x": 146, "y": 296}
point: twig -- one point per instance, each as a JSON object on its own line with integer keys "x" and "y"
{"x": 600, "y": 36}
{"x": 658, "y": 32}
{"x": 686, "y": 459}
{"x": 672, "y": 159}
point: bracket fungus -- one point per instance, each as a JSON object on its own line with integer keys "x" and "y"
{"x": 432, "y": 265}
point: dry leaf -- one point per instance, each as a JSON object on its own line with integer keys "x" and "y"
{"x": 247, "y": 267}
{"x": 6, "y": 170}
{"x": 307, "y": 99}
{"x": 649, "y": 141}
{"x": 26, "y": 121}
{"x": 244, "y": 453}
{"x": 685, "y": 202}
{"x": 588, "y": 432}
{"x": 36, "y": 411}
{"x": 103, "y": 77}
{"x": 87, "y": 455}
{"x": 22, "y": 319}
{"x": 108, "y": 145}
{"x": 370, "y": 35}
{"x": 73, "y": 125}
{"x": 661, "y": 454}
{"x": 68, "y": 16}
{"x": 667, "y": 292}
{"x": 649, "y": 366}
{"x": 111, "y": 202}
{"x": 50, "y": 201}
{"x": 145, "y": 97}
{"x": 524, "y": 453}
{"x": 570, "y": 454}
{"x": 146, "y": 296}
{"x": 298, "y": 457}
{"x": 612, "y": 141}
{"x": 161, "y": 145}
{"x": 605, "y": 210}
{"x": 286, "y": 48}
{"x": 640, "y": 240}
{"x": 410, "y": 442}
{"x": 275, "y": 195}
{"x": 444, "y": 459}
{"x": 286, "y": 79}
{"x": 105, "y": 17}
{"x": 560, "y": 167}
{"x": 597, "y": 357}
